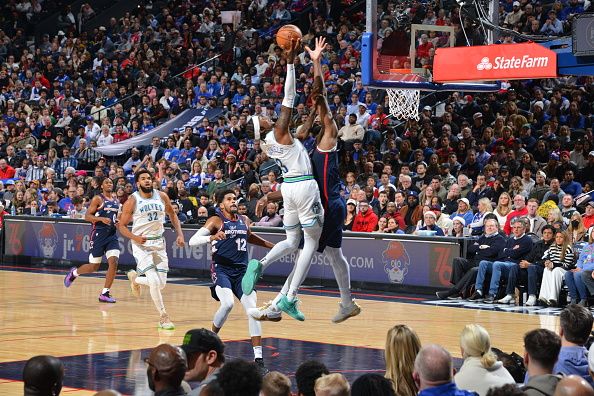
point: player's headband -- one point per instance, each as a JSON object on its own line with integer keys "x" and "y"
{"x": 256, "y": 121}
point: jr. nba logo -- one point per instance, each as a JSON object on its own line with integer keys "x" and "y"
{"x": 396, "y": 262}
{"x": 48, "y": 240}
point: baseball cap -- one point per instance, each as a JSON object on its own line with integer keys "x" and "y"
{"x": 504, "y": 168}
{"x": 541, "y": 173}
{"x": 362, "y": 105}
{"x": 564, "y": 152}
{"x": 516, "y": 4}
{"x": 352, "y": 202}
{"x": 554, "y": 156}
{"x": 412, "y": 193}
{"x": 460, "y": 219}
{"x": 477, "y": 115}
{"x": 224, "y": 141}
{"x": 89, "y": 118}
{"x": 202, "y": 340}
{"x": 465, "y": 200}
{"x": 44, "y": 190}
{"x": 427, "y": 108}
{"x": 591, "y": 203}
{"x": 591, "y": 153}
{"x": 231, "y": 155}
{"x": 539, "y": 103}
{"x": 80, "y": 173}
{"x": 9, "y": 183}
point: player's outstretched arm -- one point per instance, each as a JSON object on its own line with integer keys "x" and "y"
{"x": 174, "y": 220}
{"x": 316, "y": 57}
{"x": 211, "y": 231}
{"x": 281, "y": 127}
{"x": 256, "y": 239}
{"x": 90, "y": 215}
{"x": 125, "y": 218}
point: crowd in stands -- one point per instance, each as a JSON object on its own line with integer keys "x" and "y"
{"x": 551, "y": 365}
{"x": 62, "y": 97}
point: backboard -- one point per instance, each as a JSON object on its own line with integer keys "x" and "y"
{"x": 397, "y": 53}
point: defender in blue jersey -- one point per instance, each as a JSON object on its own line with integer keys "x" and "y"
{"x": 102, "y": 213}
{"x": 325, "y": 169}
{"x": 229, "y": 234}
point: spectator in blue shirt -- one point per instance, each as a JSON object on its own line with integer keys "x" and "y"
{"x": 576, "y": 324}
{"x": 552, "y": 26}
{"x": 187, "y": 153}
{"x": 430, "y": 218}
{"x": 569, "y": 186}
{"x": 433, "y": 373}
{"x": 171, "y": 153}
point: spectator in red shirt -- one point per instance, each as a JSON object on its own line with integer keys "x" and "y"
{"x": 365, "y": 220}
{"x": 424, "y": 47}
{"x": 589, "y": 216}
{"x": 521, "y": 210}
{"x": 6, "y": 171}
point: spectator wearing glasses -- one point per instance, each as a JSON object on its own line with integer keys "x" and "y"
{"x": 366, "y": 220}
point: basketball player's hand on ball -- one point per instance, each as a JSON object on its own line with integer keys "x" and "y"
{"x": 219, "y": 236}
{"x": 320, "y": 46}
{"x": 180, "y": 240}
{"x": 292, "y": 52}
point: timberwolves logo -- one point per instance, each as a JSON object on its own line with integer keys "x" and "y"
{"x": 48, "y": 240}
{"x": 396, "y": 262}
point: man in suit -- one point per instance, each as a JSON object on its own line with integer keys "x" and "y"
{"x": 155, "y": 150}
{"x": 536, "y": 222}
{"x": 464, "y": 270}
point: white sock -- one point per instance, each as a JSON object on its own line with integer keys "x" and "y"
{"x": 105, "y": 290}
{"x": 257, "y": 352}
{"x": 75, "y": 273}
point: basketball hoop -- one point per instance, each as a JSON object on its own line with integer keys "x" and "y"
{"x": 404, "y": 103}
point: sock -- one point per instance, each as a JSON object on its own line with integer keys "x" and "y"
{"x": 277, "y": 299}
{"x": 105, "y": 290}
{"x": 75, "y": 273}
{"x": 257, "y": 352}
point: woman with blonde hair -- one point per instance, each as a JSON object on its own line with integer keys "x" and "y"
{"x": 558, "y": 259}
{"x": 484, "y": 207}
{"x": 402, "y": 347}
{"x": 503, "y": 207}
{"x": 576, "y": 229}
{"x": 481, "y": 370}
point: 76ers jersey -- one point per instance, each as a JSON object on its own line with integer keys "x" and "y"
{"x": 109, "y": 208}
{"x": 292, "y": 159}
{"x": 149, "y": 215}
{"x": 233, "y": 249}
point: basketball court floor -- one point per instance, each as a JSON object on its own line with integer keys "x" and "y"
{"x": 103, "y": 346}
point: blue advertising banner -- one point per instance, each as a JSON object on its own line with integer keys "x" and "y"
{"x": 387, "y": 259}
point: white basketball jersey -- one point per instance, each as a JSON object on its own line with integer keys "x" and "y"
{"x": 292, "y": 159}
{"x": 149, "y": 215}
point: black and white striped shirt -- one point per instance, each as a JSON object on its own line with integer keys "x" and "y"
{"x": 554, "y": 254}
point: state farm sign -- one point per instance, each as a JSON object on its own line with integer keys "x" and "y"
{"x": 494, "y": 62}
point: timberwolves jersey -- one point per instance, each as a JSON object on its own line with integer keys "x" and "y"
{"x": 292, "y": 159}
{"x": 109, "y": 208}
{"x": 233, "y": 249}
{"x": 149, "y": 215}
{"x": 325, "y": 167}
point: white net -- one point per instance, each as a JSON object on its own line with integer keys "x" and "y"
{"x": 404, "y": 103}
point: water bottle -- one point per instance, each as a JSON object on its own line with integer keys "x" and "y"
{"x": 12, "y": 210}
{"x": 33, "y": 211}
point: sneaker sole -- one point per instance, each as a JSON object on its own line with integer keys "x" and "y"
{"x": 252, "y": 274}
{"x": 106, "y": 302}
{"x": 351, "y": 314}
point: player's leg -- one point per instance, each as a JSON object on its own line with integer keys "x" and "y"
{"x": 225, "y": 296}
{"x": 112, "y": 254}
{"x": 347, "y": 307}
{"x": 269, "y": 311}
{"x": 288, "y": 303}
{"x": 162, "y": 267}
{"x": 255, "y": 328}
{"x": 288, "y": 245}
{"x": 95, "y": 256}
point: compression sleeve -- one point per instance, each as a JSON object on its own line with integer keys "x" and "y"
{"x": 290, "y": 92}
{"x": 201, "y": 237}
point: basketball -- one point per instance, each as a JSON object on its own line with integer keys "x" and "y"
{"x": 286, "y": 34}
